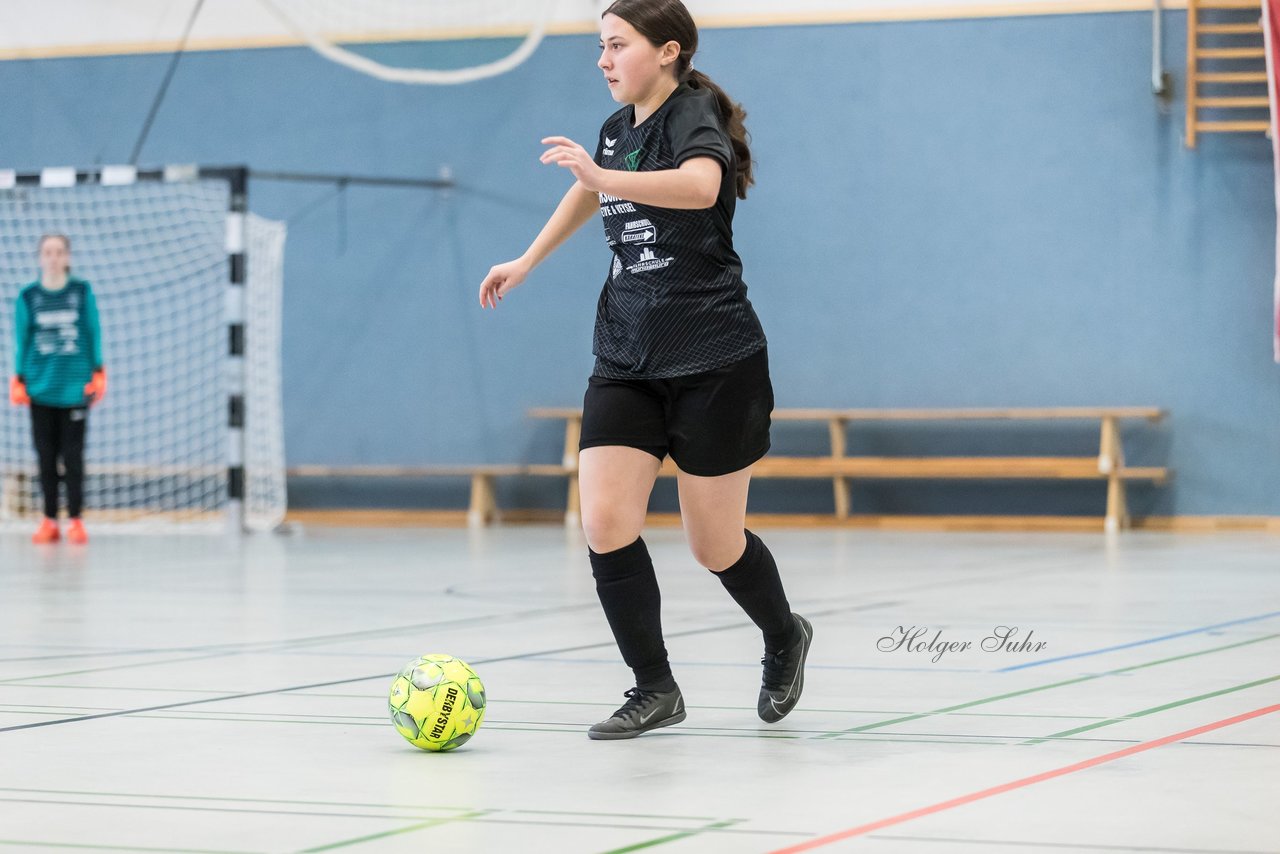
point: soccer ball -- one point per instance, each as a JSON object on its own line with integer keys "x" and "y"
{"x": 437, "y": 702}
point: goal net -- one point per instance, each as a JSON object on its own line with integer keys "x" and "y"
{"x": 436, "y": 42}
{"x": 190, "y": 433}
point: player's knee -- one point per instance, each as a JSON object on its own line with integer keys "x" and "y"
{"x": 717, "y": 549}
{"x": 715, "y": 553}
{"x": 607, "y": 529}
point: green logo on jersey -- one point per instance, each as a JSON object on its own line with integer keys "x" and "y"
{"x": 632, "y": 160}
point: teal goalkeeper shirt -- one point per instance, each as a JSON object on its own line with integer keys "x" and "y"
{"x": 59, "y": 342}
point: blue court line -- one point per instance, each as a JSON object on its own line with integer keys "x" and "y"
{"x": 1138, "y": 643}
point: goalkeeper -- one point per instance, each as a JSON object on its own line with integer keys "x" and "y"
{"x": 59, "y": 373}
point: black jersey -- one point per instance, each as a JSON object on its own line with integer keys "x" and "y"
{"x": 674, "y": 303}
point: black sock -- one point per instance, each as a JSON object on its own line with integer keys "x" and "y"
{"x": 754, "y": 584}
{"x": 628, "y": 590}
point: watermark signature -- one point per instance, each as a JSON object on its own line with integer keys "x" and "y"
{"x": 916, "y": 639}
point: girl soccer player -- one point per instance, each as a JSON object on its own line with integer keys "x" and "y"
{"x": 59, "y": 373}
{"x": 681, "y": 363}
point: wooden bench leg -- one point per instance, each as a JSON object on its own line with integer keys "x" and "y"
{"x": 572, "y": 435}
{"x": 840, "y": 485}
{"x": 573, "y": 506}
{"x": 484, "y": 506}
{"x": 1110, "y": 463}
{"x": 1117, "y": 506}
{"x": 1110, "y": 454}
{"x": 573, "y": 510}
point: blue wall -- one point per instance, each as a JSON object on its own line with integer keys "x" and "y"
{"x": 961, "y": 213}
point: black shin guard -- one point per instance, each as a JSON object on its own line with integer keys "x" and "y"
{"x": 628, "y": 590}
{"x": 754, "y": 584}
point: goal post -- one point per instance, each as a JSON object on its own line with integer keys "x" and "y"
{"x": 188, "y": 283}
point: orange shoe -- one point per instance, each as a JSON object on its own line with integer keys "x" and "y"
{"x": 47, "y": 532}
{"x": 76, "y": 534}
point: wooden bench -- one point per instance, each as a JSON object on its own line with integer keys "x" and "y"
{"x": 483, "y": 506}
{"x": 840, "y": 468}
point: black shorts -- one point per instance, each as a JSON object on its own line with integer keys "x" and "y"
{"x": 713, "y": 423}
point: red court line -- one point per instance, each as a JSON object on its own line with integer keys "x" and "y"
{"x": 1018, "y": 784}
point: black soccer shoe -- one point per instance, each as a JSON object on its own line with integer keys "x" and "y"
{"x": 643, "y": 711}
{"x": 784, "y": 675}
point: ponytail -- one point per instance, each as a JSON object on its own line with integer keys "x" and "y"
{"x": 733, "y": 117}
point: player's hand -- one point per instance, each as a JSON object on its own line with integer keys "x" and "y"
{"x": 18, "y": 392}
{"x": 567, "y": 153}
{"x": 96, "y": 389}
{"x": 500, "y": 280}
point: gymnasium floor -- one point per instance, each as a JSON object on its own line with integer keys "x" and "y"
{"x": 174, "y": 694}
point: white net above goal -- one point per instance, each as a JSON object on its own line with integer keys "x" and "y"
{"x": 351, "y": 33}
{"x": 158, "y": 449}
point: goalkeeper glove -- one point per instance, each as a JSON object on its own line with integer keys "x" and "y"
{"x": 96, "y": 389}
{"x": 18, "y": 392}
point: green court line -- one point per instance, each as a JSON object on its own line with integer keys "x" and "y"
{"x": 420, "y": 826}
{"x": 720, "y": 732}
{"x": 32, "y": 843}
{"x": 1152, "y": 710}
{"x": 615, "y": 814}
{"x": 1025, "y": 691}
{"x": 664, "y": 734}
{"x": 228, "y": 650}
{"x": 695, "y": 732}
{"x": 1040, "y": 844}
{"x": 1009, "y": 739}
{"x": 130, "y": 666}
{"x": 245, "y": 717}
{"x": 233, "y": 649}
{"x": 285, "y": 716}
{"x": 807, "y": 710}
{"x": 672, "y": 837}
{"x": 529, "y": 823}
{"x": 476, "y": 816}
{"x": 922, "y": 738}
{"x": 48, "y": 706}
{"x": 727, "y": 732}
{"x": 277, "y": 717}
{"x": 190, "y": 808}
{"x": 19, "y": 684}
{"x": 760, "y": 735}
{"x": 285, "y": 644}
{"x": 263, "y": 720}
{"x": 365, "y": 804}
{"x": 923, "y": 741}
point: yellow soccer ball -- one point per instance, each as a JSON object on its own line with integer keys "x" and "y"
{"x": 437, "y": 702}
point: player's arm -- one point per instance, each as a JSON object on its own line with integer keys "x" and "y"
{"x": 96, "y": 389}
{"x": 95, "y": 329}
{"x": 22, "y": 338}
{"x": 693, "y": 186}
{"x": 577, "y": 206}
